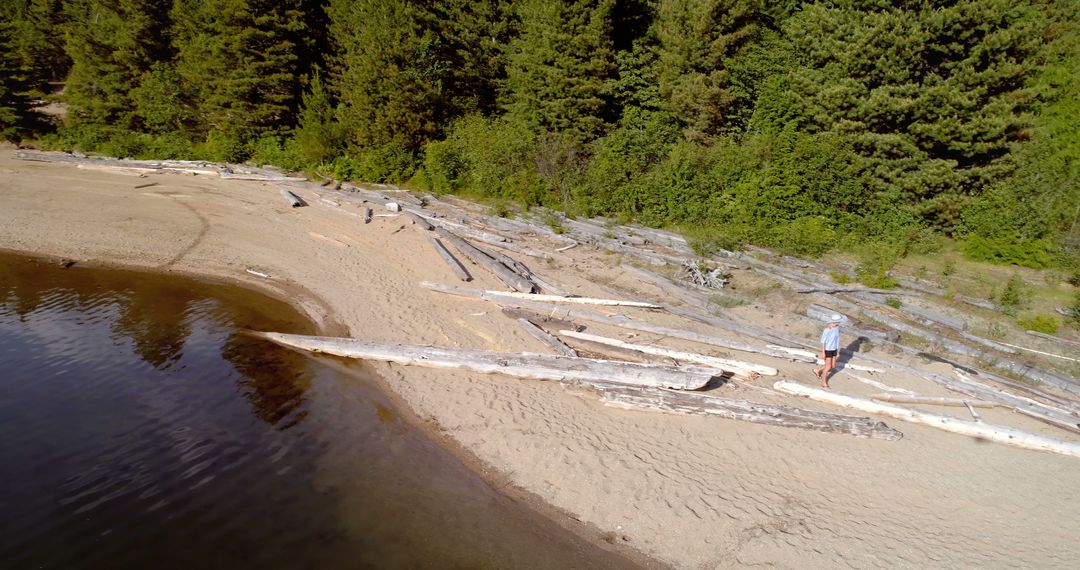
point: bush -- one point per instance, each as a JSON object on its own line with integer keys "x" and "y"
{"x": 875, "y": 262}
{"x": 274, "y": 151}
{"x": 894, "y": 302}
{"x": 810, "y": 236}
{"x": 1013, "y": 296}
{"x": 1010, "y": 249}
{"x": 1047, "y": 324}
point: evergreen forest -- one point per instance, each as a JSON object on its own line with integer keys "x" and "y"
{"x": 801, "y": 125}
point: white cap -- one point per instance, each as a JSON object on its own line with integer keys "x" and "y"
{"x": 836, "y": 318}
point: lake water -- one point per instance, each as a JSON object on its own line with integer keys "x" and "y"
{"x": 139, "y": 428}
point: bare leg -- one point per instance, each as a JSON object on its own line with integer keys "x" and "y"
{"x": 826, "y": 369}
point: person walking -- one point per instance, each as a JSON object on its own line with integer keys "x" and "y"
{"x": 830, "y": 346}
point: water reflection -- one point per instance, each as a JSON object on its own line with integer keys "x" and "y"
{"x": 140, "y": 428}
{"x": 273, "y": 382}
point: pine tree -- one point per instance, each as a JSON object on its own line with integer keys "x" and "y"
{"x": 391, "y": 72}
{"x": 698, "y": 40}
{"x": 931, "y": 95}
{"x": 111, "y": 43}
{"x": 559, "y": 69}
{"x": 242, "y": 64}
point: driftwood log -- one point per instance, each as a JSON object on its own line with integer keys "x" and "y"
{"x": 450, "y": 260}
{"x": 547, "y": 338}
{"x": 988, "y": 432}
{"x": 513, "y": 280}
{"x": 708, "y": 405}
{"x": 619, "y": 320}
{"x": 293, "y": 199}
{"x": 931, "y": 401}
{"x": 521, "y": 365}
{"x": 745, "y": 370}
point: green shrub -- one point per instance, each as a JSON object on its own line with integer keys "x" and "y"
{"x": 841, "y": 278}
{"x": 274, "y": 151}
{"x": 1010, "y": 249}
{"x": 810, "y": 236}
{"x": 1013, "y": 296}
{"x": 894, "y": 302}
{"x": 1047, "y": 324}
{"x": 876, "y": 260}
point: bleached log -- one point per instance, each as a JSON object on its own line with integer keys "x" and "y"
{"x": 742, "y": 369}
{"x": 931, "y": 401}
{"x": 450, "y": 260}
{"x": 619, "y": 320}
{"x": 259, "y": 177}
{"x": 573, "y": 300}
{"x": 534, "y": 317}
{"x": 831, "y": 290}
{"x": 742, "y": 410}
{"x": 521, "y": 365}
{"x": 999, "y": 434}
{"x": 420, "y": 220}
{"x": 1041, "y": 352}
{"x": 881, "y": 385}
{"x": 522, "y": 270}
{"x": 967, "y": 386}
{"x": 513, "y": 280}
{"x": 547, "y": 338}
{"x": 955, "y": 347}
{"x": 1053, "y": 338}
{"x": 293, "y": 199}
{"x": 822, "y": 313}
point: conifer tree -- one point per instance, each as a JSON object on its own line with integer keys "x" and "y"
{"x": 931, "y": 95}
{"x": 698, "y": 39}
{"x": 243, "y": 64}
{"x": 559, "y": 68}
{"x": 111, "y": 43}
{"x": 391, "y": 72}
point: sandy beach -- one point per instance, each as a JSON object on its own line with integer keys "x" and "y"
{"x": 683, "y": 491}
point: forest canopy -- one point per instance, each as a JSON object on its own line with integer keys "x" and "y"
{"x": 805, "y": 126}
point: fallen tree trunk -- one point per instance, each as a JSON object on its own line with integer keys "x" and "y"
{"x": 522, "y": 365}
{"x": 931, "y": 401}
{"x": 450, "y": 260}
{"x": 999, "y": 434}
{"x": 534, "y": 317}
{"x": 742, "y": 410}
{"x": 293, "y": 199}
{"x": 571, "y": 300}
{"x": 745, "y": 370}
{"x": 1038, "y": 410}
{"x": 619, "y": 320}
{"x": 513, "y": 280}
{"x": 547, "y": 338}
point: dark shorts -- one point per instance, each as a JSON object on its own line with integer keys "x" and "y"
{"x": 830, "y": 353}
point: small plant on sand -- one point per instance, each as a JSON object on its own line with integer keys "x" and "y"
{"x": 1013, "y": 295}
{"x": 995, "y": 331}
{"x": 841, "y": 278}
{"x": 948, "y": 268}
{"x": 1046, "y": 324}
{"x": 894, "y": 302}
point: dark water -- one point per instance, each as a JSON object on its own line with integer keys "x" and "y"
{"x": 140, "y": 429}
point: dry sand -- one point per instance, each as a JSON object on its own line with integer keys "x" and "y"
{"x": 686, "y": 491}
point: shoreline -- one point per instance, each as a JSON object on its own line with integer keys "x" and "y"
{"x": 682, "y": 491}
{"x": 499, "y": 481}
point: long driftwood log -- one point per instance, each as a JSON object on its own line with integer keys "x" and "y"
{"x": 293, "y": 199}
{"x": 547, "y": 338}
{"x": 708, "y": 405}
{"x": 522, "y": 365}
{"x": 934, "y": 401}
{"x": 619, "y": 320}
{"x": 513, "y": 280}
{"x": 999, "y": 434}
{"x": 450, "y": 260}
{"x": 742, "y": 369}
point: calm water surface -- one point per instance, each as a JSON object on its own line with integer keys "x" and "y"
{"x": 139, "y": 428}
